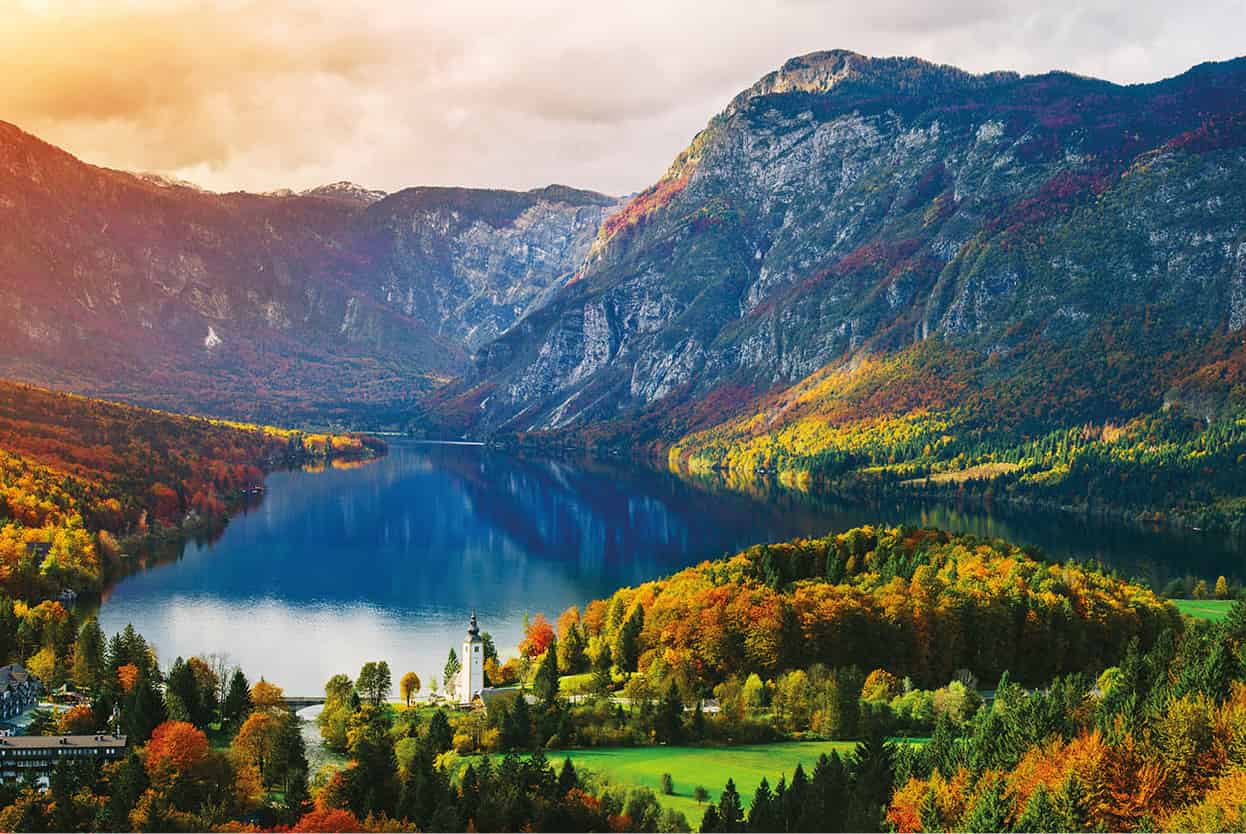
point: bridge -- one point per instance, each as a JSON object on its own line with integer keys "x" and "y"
{"x": 294, "y": 703}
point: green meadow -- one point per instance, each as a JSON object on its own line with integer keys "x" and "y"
{"x": 709, "y": 767}
{"x": 1204, "y": 609}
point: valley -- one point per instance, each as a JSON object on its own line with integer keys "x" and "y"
{"x": 879, "y": 466}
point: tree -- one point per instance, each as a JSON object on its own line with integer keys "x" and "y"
{"x": 182, "y": 688}
{"x": 328, "y": 821}
{"x": 375, "y": 682}
{"x": 873, "y": 776}
{"x": 88, "y": 664}
{"x": 1234, "y": 623}
{"x": 1222, "y": 588}
{"x": 142, "y": 709}
{"x": 627, "y": 649}
{"x": 668, "y": 785}
{"x": 256, "y": 740}
{"x": 289, "y": 761}
{"x": 601, "y": 672}
{"x": 78, "y": 720}
{"x": 408, "y": 687}
{"x": 335, "y": 716}
{"x": 265, "y": 695}
{"x": 567, "y": 777}
{"x": 668, "y": 724}
{"x": 538, "y": 636}
{"x": 440, "y": 736}
{"x": 451, "y": 670}
{"x": 990, "y": 810}
{"x": 175, "y": 748}
{"x": 545, "y": 684}
{"x": 730, "y": 811}
{"x": 237, "y": 700}
{"x": 761, "y": 815}
{"x": 1041, "y": 814}
{"x": 700, "y": 794}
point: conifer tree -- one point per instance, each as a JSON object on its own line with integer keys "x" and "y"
{"x": 237, "y": 699}
{"x": 545, "y": 682}
{"x": 730, "y": 811}
{"x": 668, "y": 724}
{"x": 760, "y": 812}
{"x": 1041, "y": 814}
{"x": 990, "y": 811}
{"x": 627, "y": 653}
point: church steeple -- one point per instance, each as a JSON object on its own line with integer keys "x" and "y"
{"x": 472, "y": 675}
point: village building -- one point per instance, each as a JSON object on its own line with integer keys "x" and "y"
{"x": 38, "y": 755}
{"x": 19, "y": 690}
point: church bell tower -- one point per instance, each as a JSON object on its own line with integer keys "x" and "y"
{"x": 472, "y": 676}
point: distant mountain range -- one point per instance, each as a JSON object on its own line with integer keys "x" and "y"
{"x": 275, "y": 306}
{"x": 860, "y": 263}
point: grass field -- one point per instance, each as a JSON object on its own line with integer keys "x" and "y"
{"x": 1204, "y": 609}
{"x": 709, "y": 767}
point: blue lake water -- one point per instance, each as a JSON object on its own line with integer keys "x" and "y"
{"x": 388, "y": 560}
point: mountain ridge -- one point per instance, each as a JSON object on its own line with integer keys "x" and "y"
{"x": 141, "y": 288}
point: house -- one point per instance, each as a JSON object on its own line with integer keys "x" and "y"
{"x": 19, "y": 690}
{"x": 37, "y": 755}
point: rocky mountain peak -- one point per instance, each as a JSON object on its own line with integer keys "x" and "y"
{"x": 347, "y": 191}
{"x": 829, "y": 71}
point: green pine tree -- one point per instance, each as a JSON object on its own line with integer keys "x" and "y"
{"x": 990, "y": 811}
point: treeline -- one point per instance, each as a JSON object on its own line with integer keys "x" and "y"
{"x": 1153, "y": 744}
{"x": 78, "y": 476}
{"x": 920, "y": 603}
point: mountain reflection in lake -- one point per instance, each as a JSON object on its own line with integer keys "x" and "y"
{"x": 387, "y": 561}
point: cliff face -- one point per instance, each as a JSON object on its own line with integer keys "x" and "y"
{"x": 495, "y": 254}
{"x": 309, "y": 304}
{"x": 846, "y": 207}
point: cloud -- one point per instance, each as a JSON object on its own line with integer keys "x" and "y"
{"x": 292, "y": 93}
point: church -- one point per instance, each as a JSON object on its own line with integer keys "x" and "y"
{"x": 472, "y": 674}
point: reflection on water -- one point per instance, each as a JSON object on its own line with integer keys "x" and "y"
{"x": 387, "y": 561}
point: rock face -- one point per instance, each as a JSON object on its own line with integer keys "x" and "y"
{"x": 846, "y": 206}
{"x": 332, "y": 301}
{"x": 495, "y": 254}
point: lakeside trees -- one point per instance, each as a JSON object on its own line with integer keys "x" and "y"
{"x": 79, "y": 476}
{"x": 1144, "y": 734}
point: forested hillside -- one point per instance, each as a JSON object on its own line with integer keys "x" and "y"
{"x": 83, "y": 475}
{"x": 919, "y": 603}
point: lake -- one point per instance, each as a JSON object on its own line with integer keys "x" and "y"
{"x": 388, "y": 560}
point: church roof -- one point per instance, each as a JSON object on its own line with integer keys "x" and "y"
{"x": 473, "y": 630}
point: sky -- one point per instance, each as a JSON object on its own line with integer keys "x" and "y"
{"x": 244, "y": 94}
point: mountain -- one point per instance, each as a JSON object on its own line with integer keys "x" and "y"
{"x": 332, "y": 302}
{"x": 862, "y": 262}
{"x": 846, "y": 206}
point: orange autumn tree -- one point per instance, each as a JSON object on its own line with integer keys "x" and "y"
{"x": 175, "y": 748}
{"x": 328, "y": 820}
{"x": 78, "y": 720}
{"x": 267, "y": 696}
{"x": 127, "y": 676}
{"x": 537, "y": 638}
